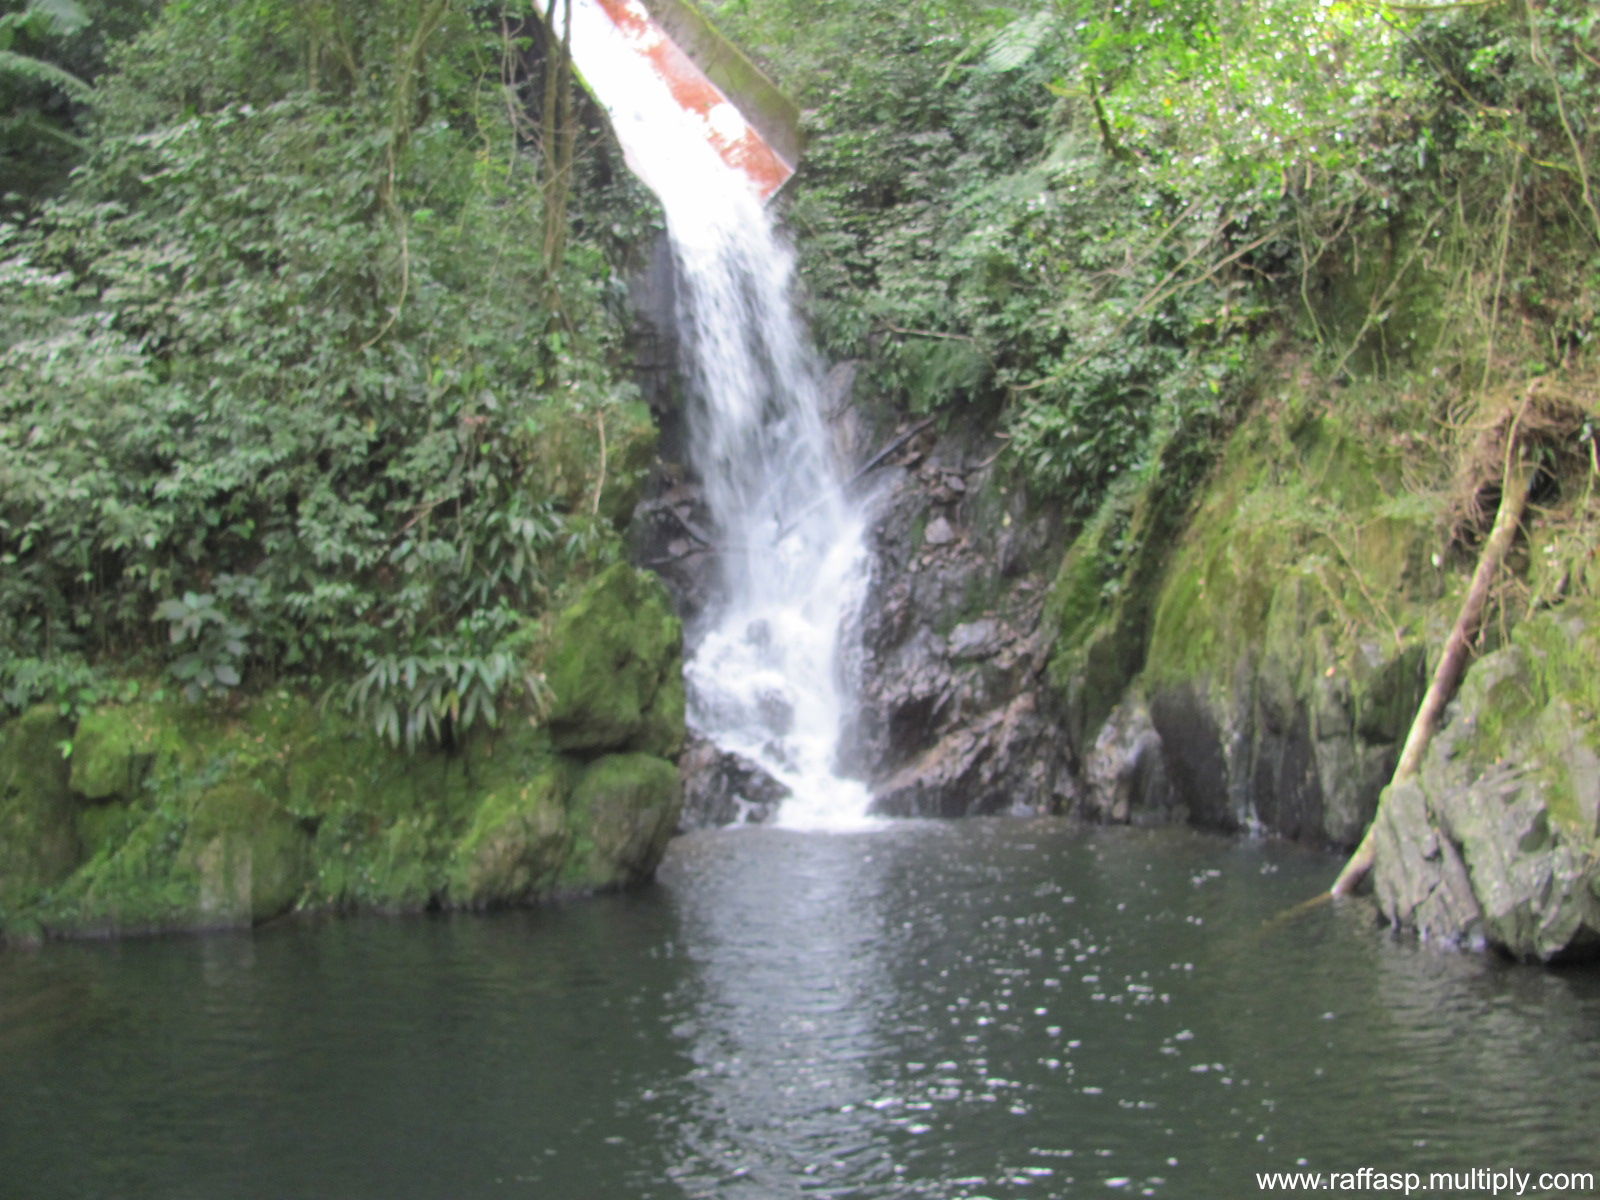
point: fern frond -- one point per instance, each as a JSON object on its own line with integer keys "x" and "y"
{"x": 1018, "y": 42}
{"x": 24, "y": 68}
{"x": 62, "y": 16}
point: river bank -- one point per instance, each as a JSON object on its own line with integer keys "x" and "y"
{"x": 165, "y": 815}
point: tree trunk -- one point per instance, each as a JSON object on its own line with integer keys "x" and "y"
{"x": 558, "y": 137}
{"x": 1513, "y": 499}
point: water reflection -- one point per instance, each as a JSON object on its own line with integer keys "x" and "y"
{"x": 785, "y": 1014}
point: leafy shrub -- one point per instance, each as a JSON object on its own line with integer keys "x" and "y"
{"x": 1091, "y": 215}
{"x": 274, "y": 368}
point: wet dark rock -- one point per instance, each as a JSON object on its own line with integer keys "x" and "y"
{"x": 671, "y": 534}
{"x": 723, "y": 788}
{"x": 1285, "y": 746}
{"x": 953, "y": 717}
{"x": 999, "y": 761}
{"x": 1125, "y": 774}
{"x": 1489, "y": 844}
{"x": 1195, "y": 748}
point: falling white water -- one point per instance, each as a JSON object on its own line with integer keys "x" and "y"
{"x": 766, "y": 678}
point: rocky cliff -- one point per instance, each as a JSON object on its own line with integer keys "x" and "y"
{"x": 1247, "y": 655}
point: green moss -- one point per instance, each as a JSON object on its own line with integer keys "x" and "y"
{"x": 39, "y": 842}
{"x": 250, "y": 858}
{"x": 388, "y": 846}
{"x": 1563, "y": 647}
{"x": 517, "y": 844}
{"x": 624, "y": 807}
{"x": 138, "y": 884}
{"x": 103, "y": 825}
{"x": 617, "y": 668}
{"x": 381, "y": 823}
{"x": 1536, "y": 704}
{"x": 1078, "y": 597}
{"x": 113, "y": 747}
{"x": 1101, "y": 602}
{"x": 279, "y": 803}
{"x": 1322, "y": 510}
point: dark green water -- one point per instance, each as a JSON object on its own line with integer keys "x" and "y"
{"x": 983, "y": 1009}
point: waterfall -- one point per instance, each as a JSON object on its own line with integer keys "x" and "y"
{"x": 765, "y": 672}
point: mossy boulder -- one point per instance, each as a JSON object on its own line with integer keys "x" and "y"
{"x": 249, "y": 857}
{"x": 625, "y": 807}
{"x": 112, "y": 748}
{"x": 134, "y": 883}
{"x": 202, "y": 847}
{"x": 39, "y": 843}
{"x": 616, "y": 670}
{"x": 1288, "y": 647}
{"x": 518, "y": 842}
{"x": 1496, "y": 840}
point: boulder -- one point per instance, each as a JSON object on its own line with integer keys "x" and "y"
{"x": 626, "y": 807}
{"x": 517, "y": 844}
{"x": 724, "y": 788}
{"x": 249, "y": 857}
{"x": 1496, "y": 840}
{"x": 616, "y": 670}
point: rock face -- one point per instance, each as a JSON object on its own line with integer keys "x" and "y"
{"x": 723, "y": 788}
{"x": 952, "y": 719}
{"x": 1125, "y": 772}
{"x": 1256, "y": 667}
{"x": 671, "y": 534}
{"x": 1496, "y": 840}
{"x": 1288, "y": 654}
{"x": 169, "y": 817}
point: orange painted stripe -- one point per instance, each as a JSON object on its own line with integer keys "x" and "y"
{"x": 748, "y": 153}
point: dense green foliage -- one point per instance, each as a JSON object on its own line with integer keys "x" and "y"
{"x": 1102, "y": 217}
{"x": 281, "y": 370}
{"x": 302, "y": 378}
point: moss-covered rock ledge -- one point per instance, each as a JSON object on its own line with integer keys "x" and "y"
{"x": 171, "y": 816}
{"x": 1261, "y": 666}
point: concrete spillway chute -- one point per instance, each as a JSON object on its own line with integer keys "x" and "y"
{"x": 745, "y": 119}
